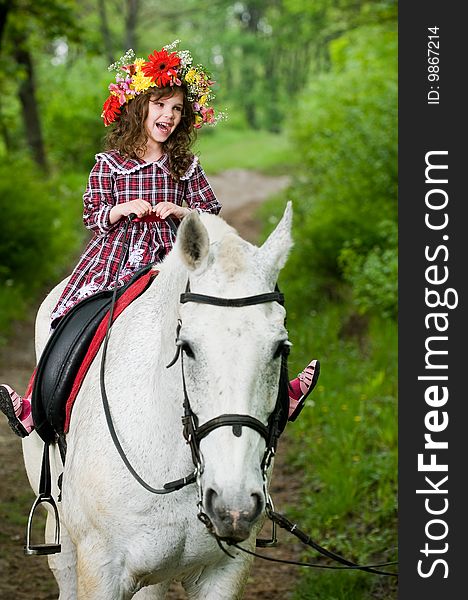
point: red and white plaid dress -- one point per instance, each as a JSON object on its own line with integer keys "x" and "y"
{"x": 114, "y": 180}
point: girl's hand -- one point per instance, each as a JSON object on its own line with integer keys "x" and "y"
{"x": 165, "y": 209}
{"x": 139, "y": 207}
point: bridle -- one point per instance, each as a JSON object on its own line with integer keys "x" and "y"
{"x": 193, "y": 431}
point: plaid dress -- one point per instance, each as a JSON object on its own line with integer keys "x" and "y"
{"x": 114, "y": 180}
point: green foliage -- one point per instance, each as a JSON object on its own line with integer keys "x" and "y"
{"x": 345, "y": 130}
{"x": 343, "y": 262}
{"x": 40, "y": 233}
{"x": 73, "y": 126}
{"x": 373, "y": 275}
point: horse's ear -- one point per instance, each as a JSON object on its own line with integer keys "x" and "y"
{"x": 276, "y": 248}
{"x": 193, "y": 241}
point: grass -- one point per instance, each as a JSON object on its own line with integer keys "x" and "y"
{"x": 225, "y": 148}
{"x": 345, "y": 443}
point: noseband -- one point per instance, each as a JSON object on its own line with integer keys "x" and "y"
{"x": 193, "y": 432}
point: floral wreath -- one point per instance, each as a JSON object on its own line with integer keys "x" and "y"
{"x": 162, "y": 69}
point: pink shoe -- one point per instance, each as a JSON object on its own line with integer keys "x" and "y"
{"x": 17, "y": 410}
{"x": 300, "y": 388}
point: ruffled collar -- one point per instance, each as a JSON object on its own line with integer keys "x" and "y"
{"x": 125, "y": 166}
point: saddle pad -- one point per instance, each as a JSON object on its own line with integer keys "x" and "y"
{"x": 66, "y": 349}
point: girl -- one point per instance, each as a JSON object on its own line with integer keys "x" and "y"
{"x": 147, "y": 170}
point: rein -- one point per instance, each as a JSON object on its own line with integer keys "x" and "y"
{"x": 283, "y": 522}
{"x": 172, "y": 486}
{"x": 194, "y": 433}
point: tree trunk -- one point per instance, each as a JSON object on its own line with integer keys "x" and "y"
{"x": 5, "y": 6}
{"x": 30, "y": 113}
{"x": 104, "y": 26}
{"x": 130, "y": 24}
{"x": 251, "y": 115}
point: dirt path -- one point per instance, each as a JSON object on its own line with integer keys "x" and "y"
{"x": 29, "y": 578}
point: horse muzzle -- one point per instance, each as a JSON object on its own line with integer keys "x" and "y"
{"x": 233, "y": 520}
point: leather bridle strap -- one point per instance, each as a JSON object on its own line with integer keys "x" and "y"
{"x": 232, "y": 302}
{"x": 236, "y": 421}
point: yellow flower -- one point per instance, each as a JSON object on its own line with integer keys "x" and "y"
{"x": 191, "y": 76}
{"x": 203, "y": 100}
{"x": 139, "y": 62}
{"x": 140, "y": 82}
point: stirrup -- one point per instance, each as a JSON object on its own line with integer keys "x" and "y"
{"x": 45, "y": 497}
{"x": 42, "y": 549}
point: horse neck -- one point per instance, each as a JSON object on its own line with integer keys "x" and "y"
{"x": 165, "y": 292}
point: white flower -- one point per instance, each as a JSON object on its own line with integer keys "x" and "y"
{"x": 87, "y": 290}
{"x": 135, "y": 257}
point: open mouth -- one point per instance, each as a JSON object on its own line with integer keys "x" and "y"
{"x": 163, "y": 127}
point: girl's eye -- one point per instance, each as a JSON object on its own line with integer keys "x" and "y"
{"x": 178, "y": 109}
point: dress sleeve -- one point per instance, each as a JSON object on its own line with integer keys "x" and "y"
{"x": 199, "y": 194}
{"x": 99, "y": 199}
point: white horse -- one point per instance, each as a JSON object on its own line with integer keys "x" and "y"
{"x": 118, "y": 539}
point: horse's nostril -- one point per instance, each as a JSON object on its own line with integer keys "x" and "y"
{"x": 210, "y": 500}
{"x": 257, "y": 506}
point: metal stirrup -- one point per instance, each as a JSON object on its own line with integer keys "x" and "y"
{"x": 45, "y": 497}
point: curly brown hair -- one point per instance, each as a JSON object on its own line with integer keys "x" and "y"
{"x": 129, "y": 135}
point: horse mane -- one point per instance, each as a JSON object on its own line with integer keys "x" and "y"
{"x": 232, "y": 249}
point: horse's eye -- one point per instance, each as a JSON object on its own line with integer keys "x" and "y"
{"x": 281, "y": 348}
{"x": 187, "y": 349}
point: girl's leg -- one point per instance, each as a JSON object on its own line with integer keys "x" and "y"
{"x": 300, "y": 388}
{"x": 17, "y": 410}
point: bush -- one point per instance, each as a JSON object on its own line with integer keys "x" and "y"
{"x": 373, "y": 275}
{"x": 41, "y": 233}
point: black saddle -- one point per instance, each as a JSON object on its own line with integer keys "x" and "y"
{"x": 62, "y": 357}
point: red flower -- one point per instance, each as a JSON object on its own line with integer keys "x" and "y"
{"x": 161, "y": 67}
{"x": 110, "y": 110}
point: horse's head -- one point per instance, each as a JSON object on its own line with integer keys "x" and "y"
{"x": 232, "y": 358}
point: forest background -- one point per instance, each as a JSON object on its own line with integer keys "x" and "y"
{"x": 310, "y": 87}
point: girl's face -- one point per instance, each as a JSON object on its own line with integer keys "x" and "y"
{"x": 164, "y": 114}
